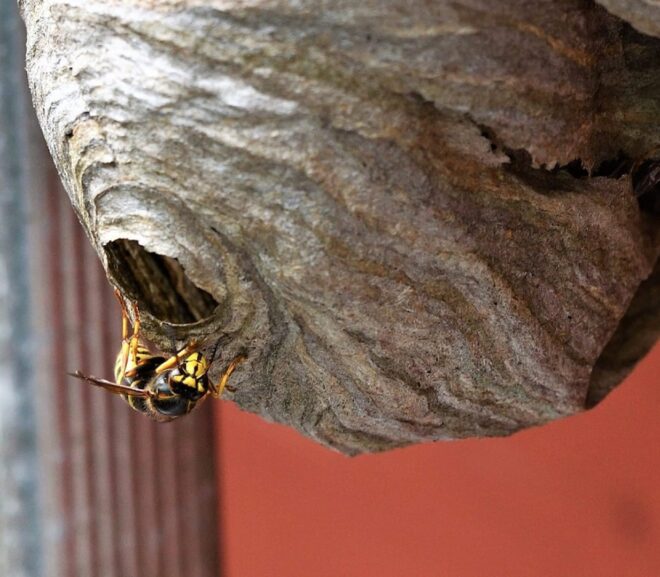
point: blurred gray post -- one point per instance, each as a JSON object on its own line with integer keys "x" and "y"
{"x": 88, "y": 488}
{"x": 20, "y": 541}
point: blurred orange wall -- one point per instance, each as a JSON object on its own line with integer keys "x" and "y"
{"x": 577, "y": 498}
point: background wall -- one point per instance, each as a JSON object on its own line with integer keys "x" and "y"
{"x": 575, "y": 498}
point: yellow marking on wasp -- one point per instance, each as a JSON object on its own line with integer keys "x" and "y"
{"x": 191, "y": 382}
{"x": 195, "y": 365}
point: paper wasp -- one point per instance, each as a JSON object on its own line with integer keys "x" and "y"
{"x": 161, "y": 388}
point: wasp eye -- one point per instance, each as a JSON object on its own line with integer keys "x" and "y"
{"x": 170, "y": 403}
{"x": 173, "y": 407}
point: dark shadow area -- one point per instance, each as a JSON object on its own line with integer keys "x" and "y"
{"x": 646, "y": 183}
{"x": 636, "y": 334}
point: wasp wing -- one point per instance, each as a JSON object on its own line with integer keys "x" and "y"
{"x": 112, "y": 387}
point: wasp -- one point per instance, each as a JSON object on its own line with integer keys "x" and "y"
{"x": 161, "y": 388}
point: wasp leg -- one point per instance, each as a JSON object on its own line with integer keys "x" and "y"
{"x": 124, "y": 315}
{"x": 124, "y": 353}
{"x": 133, "y": 347}
{"x": 175, "y": 360}
{"x": 133, "y": 342}
{"x": 218, "y": 389}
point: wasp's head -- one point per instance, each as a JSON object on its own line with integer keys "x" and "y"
{"x": 190, "y": 379}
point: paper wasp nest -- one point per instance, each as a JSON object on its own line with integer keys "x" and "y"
{"x": 415, "y": 217}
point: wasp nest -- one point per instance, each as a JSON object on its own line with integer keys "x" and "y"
{"x": 417, "y": 218}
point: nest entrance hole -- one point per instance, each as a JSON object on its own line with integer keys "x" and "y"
{"x": 158, "y": 283}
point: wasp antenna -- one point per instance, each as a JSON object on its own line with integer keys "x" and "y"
{"x": 112, "y": 387}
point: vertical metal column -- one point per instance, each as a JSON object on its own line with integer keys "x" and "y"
{"x": 20, "y": 550}
{"x": 89, "y": 487}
